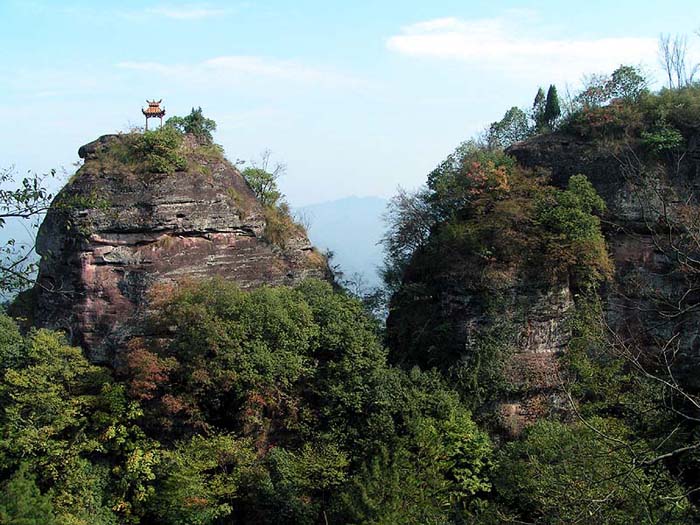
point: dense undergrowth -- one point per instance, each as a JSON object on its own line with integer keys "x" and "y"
{"x": 269, "y": 406}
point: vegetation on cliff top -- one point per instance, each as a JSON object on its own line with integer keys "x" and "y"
{"x": 280, "y": 226}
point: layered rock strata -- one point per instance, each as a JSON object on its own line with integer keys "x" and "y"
{"x": 115, "y": 236}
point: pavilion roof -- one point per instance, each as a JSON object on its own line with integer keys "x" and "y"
{"x": 153, "y": 109}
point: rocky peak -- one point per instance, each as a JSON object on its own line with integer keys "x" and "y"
{"x": 139, "y": 217}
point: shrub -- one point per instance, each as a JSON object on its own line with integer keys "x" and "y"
{"x": 158, "y": 151}
{"x": 280, "y": 226}
{"x": 586, "y": 474}
{"x": 619, "y": 119}
{"x": 663, "y": 139}
{"x": 680, "y": 108}
{"x": 264, "y": 185}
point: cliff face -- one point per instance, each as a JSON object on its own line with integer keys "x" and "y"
{"x": 444, "y": 316}
{"x": 644, "y": 194}
{"x": 504, "y": 343}
{"x": 116, "y": 234}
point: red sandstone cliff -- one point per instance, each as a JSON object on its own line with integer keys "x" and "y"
{"x": 116, "y": 233}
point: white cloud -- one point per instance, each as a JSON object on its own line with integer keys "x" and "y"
{"x": 186, "y": 12}
{"x": 174, "y": 11}
{"x": 234, "y": 69}
{"x": 499, "y": 43}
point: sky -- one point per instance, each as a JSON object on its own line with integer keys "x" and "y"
{"x": 356, "y": 98}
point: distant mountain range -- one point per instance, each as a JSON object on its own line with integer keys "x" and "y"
{"x": 351, "y": 228}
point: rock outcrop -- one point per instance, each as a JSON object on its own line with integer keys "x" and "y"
{"x": 514, "y": 335}
{"x": 116, "y": 234}
{"x": 442, "y": 318}
{"x": 643, "y": 193}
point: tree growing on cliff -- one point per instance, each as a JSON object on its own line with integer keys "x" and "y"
{"x": 25, "y": 203}
{"x": 409, "y": 219}
{"x": 512, "y": 128}
{"x": 538, "y": 106}
{"x": 626, "y": 83}
{"x": 262, "y": 178}
{"x": 552, "y": 108}
{"x": 196, "y": 124}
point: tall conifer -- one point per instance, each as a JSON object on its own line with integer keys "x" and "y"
{"x": 552, "y": 109}
{"x": 538, "y": 109}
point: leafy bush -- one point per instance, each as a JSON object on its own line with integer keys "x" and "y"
{"x": 618, "y": 120}
{"x": 158, "y": 151}
{"x": 580, "y": 473}
{"x": 662, "y": 139}
{"x": 680, "y": 108}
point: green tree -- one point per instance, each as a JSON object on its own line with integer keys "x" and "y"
{"x": 11, "y": 345}
{"x": 59, "y": 417}
{"x": 571, "y": 218}
{"x": 196, "y": 124}
{"x": 22, "y": 503}
{"x": 23, "y": 203}
{"x": 552, "y": 108}
{"x": 586, "y": 473}
{"x": 538, "y": 107}
{"x": 433, "y": 476}
{"x": 391, "y": 489}
{"x": 200, "y": 479}
{"x": 46, "y": 400}
{"x": 264, "y": 185}
{"x": 512, "y": 128}
{"x": 409, "y": 217}
{"x": 262, "y": 178}
{"x": 627, "y": 83}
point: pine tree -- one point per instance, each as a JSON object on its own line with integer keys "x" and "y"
{"x": 538, "y": 109}
{"x": 552, "y": 109}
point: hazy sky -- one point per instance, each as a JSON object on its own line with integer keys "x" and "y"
{"x": 356, "y": 97}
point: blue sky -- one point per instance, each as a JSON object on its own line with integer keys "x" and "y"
{"x": 355, "y": 97}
